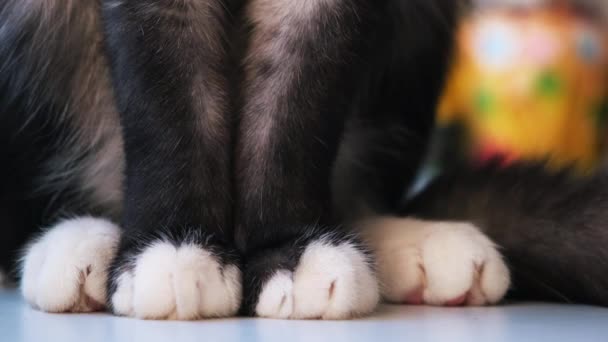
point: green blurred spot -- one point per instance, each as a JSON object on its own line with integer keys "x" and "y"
{"x": 484, "y": 102}
{"x": 601, "y": 114}
{"x": 549, "y": 84}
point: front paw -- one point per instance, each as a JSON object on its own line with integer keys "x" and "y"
{"x": 184, "y": 282}
{"x": 331, "y": 279}
{"x": 436, "y": 263}
{"x": 65, "y": 270}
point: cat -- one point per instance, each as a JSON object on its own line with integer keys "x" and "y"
{"x": 194, "y": 159}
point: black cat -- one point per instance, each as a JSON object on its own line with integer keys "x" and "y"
{"x": 239, "y": 144}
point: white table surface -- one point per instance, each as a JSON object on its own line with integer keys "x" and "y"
{"x": 514, "y": 322}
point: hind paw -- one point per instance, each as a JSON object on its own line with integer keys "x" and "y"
{"x": 437, "y": 263}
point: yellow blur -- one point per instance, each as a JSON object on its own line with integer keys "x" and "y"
{"x": 531, "y": 84}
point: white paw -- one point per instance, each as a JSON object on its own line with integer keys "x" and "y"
{"x": 330, "y": 282}
{"x": 65, "y": 270}
{"x": 436, "y": 263}
{"x": 184, "y": 283}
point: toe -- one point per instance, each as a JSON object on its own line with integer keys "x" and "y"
{"x": 122, "y": 298}
{"x": 276, "y": 299}
{"x": 334, "y": 282}
{"x": 495, "y": 279}
{"x": 153, "y": 296}
{"x": 182, "y": 283}
{"x": 448, "y": 260}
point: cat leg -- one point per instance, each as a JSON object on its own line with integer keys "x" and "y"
{"x": 300, "y": 63}
{"x": 417, "y": 261}
{"x": 61, "y": 147}
{"x": 176, "y": 258}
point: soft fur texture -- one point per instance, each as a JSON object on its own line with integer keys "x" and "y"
{"x": 331, "y": 281}
{"x": 66, "y": 269}
{"x": 436, "y": 263}
{"x": 177, "y": 282}
{"x": 239, "y": 144}
{"x": 551, "y": 227}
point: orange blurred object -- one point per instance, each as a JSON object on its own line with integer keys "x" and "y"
{"x": 530, "y": 85}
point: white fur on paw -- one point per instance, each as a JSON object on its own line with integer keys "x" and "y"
{"x": 184, "y": 283}
{"x": 65, "y": 270}
{"x": 330, "y": 282}
{"x": 437, "y": 263}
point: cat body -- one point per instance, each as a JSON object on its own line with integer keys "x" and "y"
{"x": 191, "y": 159}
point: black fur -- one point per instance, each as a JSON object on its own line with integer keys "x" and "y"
{"x": 251, "y": 170}
{"x": 169, "y": 74}
{"x": 353, "y": 70}
{"x": 49, "y": 74}
{"x": 288, "y": 141}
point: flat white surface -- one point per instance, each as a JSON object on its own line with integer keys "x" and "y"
{"x": 514, "y": 322}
